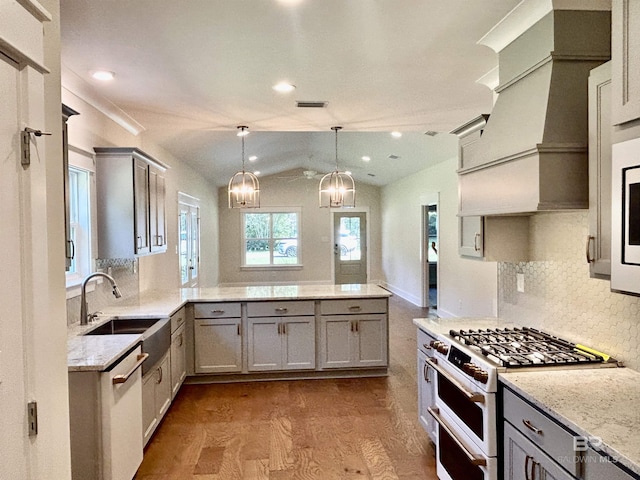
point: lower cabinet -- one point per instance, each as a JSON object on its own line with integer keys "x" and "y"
{"x": 524, "y": 461}
{"x": 281, "y": 343}
{"x": 426, "y": 389}
{"x": 156, "y": 396}
{"x": 218, "y": 345}
{"x": 178, "y": 359}
{"x": 348, "y": 341}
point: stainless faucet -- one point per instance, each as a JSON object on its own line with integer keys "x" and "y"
{"x": 84, "y": 317}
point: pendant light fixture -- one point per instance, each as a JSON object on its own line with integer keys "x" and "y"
{"x": 337, "y": 189}
{"x": 244, "y": 188}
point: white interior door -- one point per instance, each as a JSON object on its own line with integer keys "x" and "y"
{"x": 350, "y": 247}
{"x": 13, "y": 389}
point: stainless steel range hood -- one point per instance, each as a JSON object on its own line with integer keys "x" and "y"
{"x": 532, "y": 154}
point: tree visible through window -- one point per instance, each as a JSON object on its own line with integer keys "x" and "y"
{"x": 271, "y": 238}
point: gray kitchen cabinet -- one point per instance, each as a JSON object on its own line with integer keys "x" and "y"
{"x": 130, "y": 203}
{"x": 353, "y": 333}
{"x": 156, "y": 396}
{"x": 426, "y": 389}
{"x": 281, "y": 335}
{"x": 470, "y": 236}
{"x": 524, "y": 461}
{"x": 625, "y": 57}
{"x": 598, "y": 249}
{"x": 105, "y": 410}
{"x": 178, "y": 359}
{"x": 596, "y": 466}
{"x": 217, "y": 337}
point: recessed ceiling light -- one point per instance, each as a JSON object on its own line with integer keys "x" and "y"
{"x": 366, "y": 158}
{"x": 103, "y": 75}
{"x": 284, "y": 87}
{"x": 253, "y": 158}
{"x": 396, "y": 134}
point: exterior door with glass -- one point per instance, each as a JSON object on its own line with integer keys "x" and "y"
{"x": 350, "y": 247}
{"x": 189, "y": 244}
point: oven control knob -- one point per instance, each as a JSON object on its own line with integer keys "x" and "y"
{"x": 481, "y": 376}
{"x": 469, "y": 368}
{"x": 433, "y": 344}
{"x": 442, "y": 348}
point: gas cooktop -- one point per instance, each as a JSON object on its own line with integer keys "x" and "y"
{"x": 525, "y": 347}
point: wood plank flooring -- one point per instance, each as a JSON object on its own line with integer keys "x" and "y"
{"x": 301, "y": 429}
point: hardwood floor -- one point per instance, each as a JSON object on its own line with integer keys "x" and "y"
{"x": 301, "y": 429}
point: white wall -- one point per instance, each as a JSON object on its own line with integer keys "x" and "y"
{"x": 282, "y": 190}
{"x": 466, "y": 287}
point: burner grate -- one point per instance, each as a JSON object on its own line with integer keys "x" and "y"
{"x": 524, "y": 347}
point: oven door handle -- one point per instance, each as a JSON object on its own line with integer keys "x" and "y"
{"x": 474, "y": 459}
{"x": 474, "y": 397}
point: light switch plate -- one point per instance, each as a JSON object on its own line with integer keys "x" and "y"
{"x": 520, "y": 282}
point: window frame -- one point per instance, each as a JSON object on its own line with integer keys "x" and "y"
{"x": 297, "y": 211}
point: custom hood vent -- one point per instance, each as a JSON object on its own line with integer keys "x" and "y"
{"x": 532, "y": 154}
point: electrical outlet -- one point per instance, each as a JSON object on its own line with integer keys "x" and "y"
{"x": 520, "y": 282}
{"x": 32, "y": 418}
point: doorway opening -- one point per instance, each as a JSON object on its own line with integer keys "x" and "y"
{"x": 431, "y": 244}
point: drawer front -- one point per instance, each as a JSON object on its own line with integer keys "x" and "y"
{"x": 540, "y": 429}
{"x": 424, "y": 339}
{"x": 280, "y": 309}
{"x": 353, "y": 306}
{"x": 216, "y": 310}
{"x": 177, "y": 319}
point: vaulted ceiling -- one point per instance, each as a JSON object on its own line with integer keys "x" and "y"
{"x": 187, "y": 72}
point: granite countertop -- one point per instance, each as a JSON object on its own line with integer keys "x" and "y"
{"x": 97, "y": 353}
{"x": 601, "y": 402}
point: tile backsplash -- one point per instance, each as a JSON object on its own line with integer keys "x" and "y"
{"x": 125, "y": 273}
{"x": 560, "y": 297}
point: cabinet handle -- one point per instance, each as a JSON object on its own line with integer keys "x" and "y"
{"x": 475, "y": 397}
{"x": 160, "y": 374}
{"x": 356, "y": 322}
{"x": 355, "y": 308}
{"x": 181, "y": 340}
{"x": 530, "y": 426}
{"x": 352, "y": 327}
{"x": 425, "y": 372}
{"x": 279, "y": 329}
{"x": 475, "y": 242}
{"x": 475, "y": 460}
{"x": 526, "y": 467}
{"x": 590, "y": 239}
{"x": 239, "y": 330}
{"x": 217, "y": 312}
{"x": 123, "y": 378}
{"x": 284, "y": 328}
{"x": 282, "y": 310}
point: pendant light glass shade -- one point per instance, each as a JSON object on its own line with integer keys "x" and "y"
{"x": 244, "y": 187}
{"x": 337, "y": 189}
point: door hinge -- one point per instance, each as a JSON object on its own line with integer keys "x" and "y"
{"x": 32, "y": 418}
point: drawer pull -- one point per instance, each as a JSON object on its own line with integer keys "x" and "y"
{"x": 474, "y": 459}
{"x": 530, "y": 426}
{"x": 282, "y": 310}
{"x": 475, "y": 397}
{"x": 217, "y": 312}
{"x": 123, "y": 378}
{"x": 355, "y": 308}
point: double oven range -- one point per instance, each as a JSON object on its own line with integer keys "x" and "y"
{"x": 464, "y": 368}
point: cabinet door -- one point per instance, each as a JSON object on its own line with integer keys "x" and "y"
{"x": 141, "y": 207}
{"x": 524, "y": 461}
{"x": 178, "y": 360}
{"x": 599, "y": 467}
{"x": 370, "y": 348}
{"x": 599, "y": 241}
{"x": 336, "y": 342}
{"x": 264, "y": 344}
{"x": 157, "y": 214}
{"x": 426, "y": 396}
{"x": 163, "y": 387}
{"x": 149, "y": 412}
{"x": 218, "y": 345}
{"x": 625, "y": 57}
{"x": 470, "y": 236}
{"x": 298, "y": 343}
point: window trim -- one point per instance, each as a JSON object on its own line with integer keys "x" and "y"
{"x": 270, "y": 210}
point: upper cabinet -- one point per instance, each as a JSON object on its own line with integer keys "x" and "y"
{"x": 625, "y": 56}
{"x": 131, "y": 203}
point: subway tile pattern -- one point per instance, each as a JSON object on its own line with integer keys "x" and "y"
{"x": 561, "y": 298}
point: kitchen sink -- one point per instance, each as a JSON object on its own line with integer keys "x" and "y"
{"x": 156, "y": 335}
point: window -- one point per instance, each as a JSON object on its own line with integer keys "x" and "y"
{"x": 80, "y": 224}
{"x": 271, "y": 239}
{"x": 188, "y": 239}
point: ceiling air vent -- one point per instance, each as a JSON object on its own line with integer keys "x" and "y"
{"x": 311, "y": 104}
{"x": 393, "y": 157}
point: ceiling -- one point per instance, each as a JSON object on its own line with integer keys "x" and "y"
{"x": 189, "y": 72}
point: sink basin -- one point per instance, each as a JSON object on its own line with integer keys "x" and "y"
{"x": 156, "y": 335}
